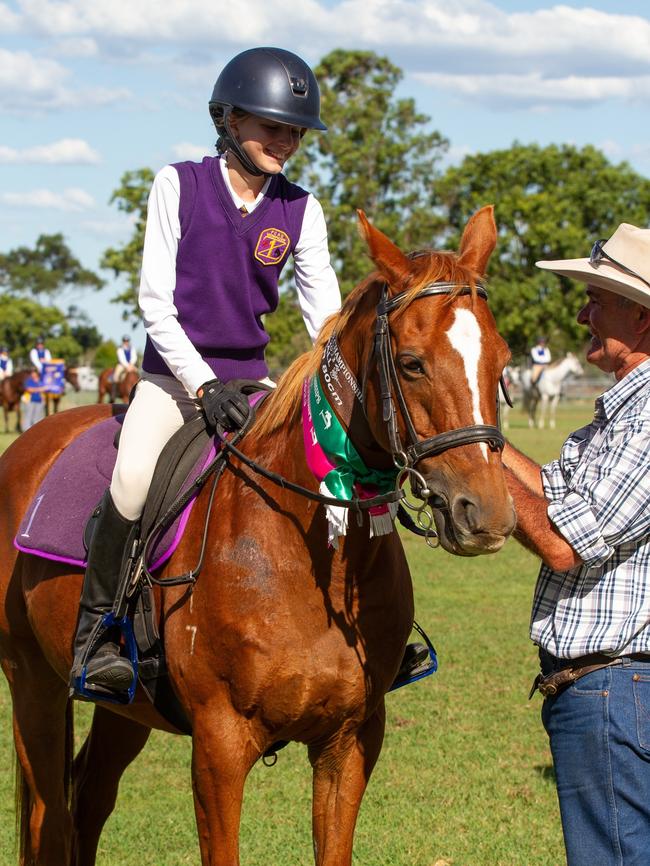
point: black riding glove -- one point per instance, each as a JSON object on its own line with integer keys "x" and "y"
{"x": 224, "y": 404}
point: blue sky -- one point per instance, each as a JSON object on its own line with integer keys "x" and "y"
{"x": 92, "y": 88}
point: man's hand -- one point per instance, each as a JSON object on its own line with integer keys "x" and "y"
{"x": 223, "y": 404}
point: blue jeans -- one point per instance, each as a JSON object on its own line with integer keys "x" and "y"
{"x": 599, "y": 729}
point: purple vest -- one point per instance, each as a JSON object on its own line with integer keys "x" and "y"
{"x": 228, "y": 267}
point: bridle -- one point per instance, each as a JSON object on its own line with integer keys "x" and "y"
{"x": 405, "y": 457}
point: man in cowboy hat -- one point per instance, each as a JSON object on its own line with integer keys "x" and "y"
{"x": 587, "y": 516}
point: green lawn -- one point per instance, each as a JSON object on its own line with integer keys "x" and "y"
{"x": 465, "y": 776}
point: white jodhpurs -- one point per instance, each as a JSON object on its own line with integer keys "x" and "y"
{"x": 160, "y": 407}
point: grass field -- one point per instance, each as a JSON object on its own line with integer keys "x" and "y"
{"x": 465, "y": 776}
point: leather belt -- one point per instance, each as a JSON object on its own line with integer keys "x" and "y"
{"x": 552, "y": 684}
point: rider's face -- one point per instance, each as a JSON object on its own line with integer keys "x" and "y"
{"x": 267, "y": 143}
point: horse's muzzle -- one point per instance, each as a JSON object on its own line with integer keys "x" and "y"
{"x": 471, "y": 525}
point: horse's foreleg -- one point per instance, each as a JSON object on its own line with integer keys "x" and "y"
{"x": 542, "y": 411}
{"x": 341, "y": 773}
{"x": 222, "y": 755}
{"x": 552, "y": 409}
{"x": 42, "y": 736}
{"x": 112, "y": 743}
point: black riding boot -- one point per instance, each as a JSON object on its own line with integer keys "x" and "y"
{"x": 100, "y": 653}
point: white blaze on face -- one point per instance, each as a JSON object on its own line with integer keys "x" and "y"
{"x": 465, "y": 337}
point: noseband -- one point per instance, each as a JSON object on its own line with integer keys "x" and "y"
{"x": 405, "y": 457}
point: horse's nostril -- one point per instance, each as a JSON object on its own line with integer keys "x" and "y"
{"x": 466, "y": 513}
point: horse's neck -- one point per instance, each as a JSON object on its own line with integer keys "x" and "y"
{"x": 561, "y": 369}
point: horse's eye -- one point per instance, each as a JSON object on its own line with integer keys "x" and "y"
{"x": 411, "y": 365}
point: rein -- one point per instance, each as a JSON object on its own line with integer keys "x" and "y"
{"x": 404, "y": 458}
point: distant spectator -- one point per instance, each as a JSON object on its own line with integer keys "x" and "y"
{"x": 33, "y": 408}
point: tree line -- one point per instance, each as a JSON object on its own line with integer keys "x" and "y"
{"x": 379, "y": 154}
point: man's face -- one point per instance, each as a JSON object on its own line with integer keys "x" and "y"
{"x": 611, "y": 322}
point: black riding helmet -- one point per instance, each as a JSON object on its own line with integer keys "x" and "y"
{"x": 266, "y": 82}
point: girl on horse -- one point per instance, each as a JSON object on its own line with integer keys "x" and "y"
{"x": 6, "y": 364}
{"x": 218, "y": 234}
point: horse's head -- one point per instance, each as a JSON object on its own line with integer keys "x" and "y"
{"x": 430, "y": 389}
{"x": 573, "y": 365}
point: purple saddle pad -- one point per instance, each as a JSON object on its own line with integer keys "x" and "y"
{"x": 54, "y": 523}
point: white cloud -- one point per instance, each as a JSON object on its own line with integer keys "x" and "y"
{"x": 472, "y": 47}
{"x": 67, "y": 151}
{"x": 30, "y": 83}
{"x": 72, "y": 199}
{"x": 76, "y": 47}
{"x": 186, "y": 150}
{"x": 109, "y": 228}
{"x": 9, "y": 21}
{"x": 536, "y": 91}
{"x": 177, "y": 21}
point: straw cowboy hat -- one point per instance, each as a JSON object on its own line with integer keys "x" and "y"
{"x": 620, "y": 265}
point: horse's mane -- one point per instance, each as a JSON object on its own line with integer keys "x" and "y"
{"x": 283, "y": 405}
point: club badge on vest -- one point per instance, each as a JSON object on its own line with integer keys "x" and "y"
{"x": 272, "y": 246}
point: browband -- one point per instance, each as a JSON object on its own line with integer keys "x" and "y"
{"x": 387, "y": 305}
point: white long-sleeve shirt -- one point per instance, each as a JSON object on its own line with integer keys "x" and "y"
{"x": 318, "y": 290}
{"x": 36, "y": 361}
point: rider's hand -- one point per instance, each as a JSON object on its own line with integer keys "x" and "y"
{"x": 223, "y": 404}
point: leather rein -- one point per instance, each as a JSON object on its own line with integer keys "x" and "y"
{"x": 404, "y": 458}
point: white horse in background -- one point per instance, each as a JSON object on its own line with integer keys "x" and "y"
{"x": 546, "y": 394}
{"x": 512, "y": 379}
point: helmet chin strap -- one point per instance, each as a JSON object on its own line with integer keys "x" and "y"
{"x": 228, "y": 141}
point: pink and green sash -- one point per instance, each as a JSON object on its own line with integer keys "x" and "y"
{"x": 333, "y": 459}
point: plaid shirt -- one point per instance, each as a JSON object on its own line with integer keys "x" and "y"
{"x": 599, "y": 500}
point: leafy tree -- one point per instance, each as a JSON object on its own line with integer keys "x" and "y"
{"x": 105, "y": 356}
{"x": 379, "y": 155}
{"x": 550, "y": 203}
{"x": 46, "y": 269}
{"x": 22, "y": 320}
{"x": 131, "y": 197}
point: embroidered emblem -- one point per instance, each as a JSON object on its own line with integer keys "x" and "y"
{"x": 272, "y": 246}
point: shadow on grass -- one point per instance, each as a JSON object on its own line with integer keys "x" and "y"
{"x": 546, "y": 772}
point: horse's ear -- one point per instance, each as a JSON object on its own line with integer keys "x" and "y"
{"x": 479, "y": 240}
{"x": 389, "y": 259}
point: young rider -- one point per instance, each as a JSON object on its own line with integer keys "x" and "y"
{"x": 6, "y": 364}
{"x": 217, "y": 237}
{"x": 127, "y": 362}
{"x": 39, "y": 355}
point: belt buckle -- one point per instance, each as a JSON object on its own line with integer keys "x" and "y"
{"x": 547, "y": 690}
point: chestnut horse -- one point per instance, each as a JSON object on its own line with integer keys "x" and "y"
{"x": 11, "y": 390}
{"x": 123, "y": 389}
{"x": 282, "y": 637}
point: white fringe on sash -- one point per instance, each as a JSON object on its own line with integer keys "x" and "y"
{"x": 337, "y": 519}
